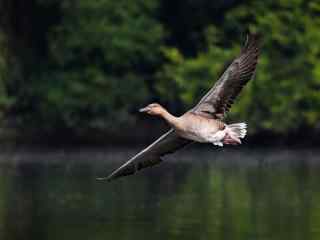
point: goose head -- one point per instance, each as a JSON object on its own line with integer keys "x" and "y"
{"x": 153, "y": 109}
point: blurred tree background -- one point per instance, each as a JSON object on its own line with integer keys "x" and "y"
{"x": 81, "y": 68}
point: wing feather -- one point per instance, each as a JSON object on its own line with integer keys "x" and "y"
{"x": 214, "y": 104}
{"x": 220, "y": 98}
{"x": 150, "y": 156}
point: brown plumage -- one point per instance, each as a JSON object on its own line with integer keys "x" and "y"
{"x": 203, "y": 122}
{"x": 221, "y": 96}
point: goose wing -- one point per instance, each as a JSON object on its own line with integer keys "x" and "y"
{"x": 214, "y": 104}
{"x": 219, "y": 99}
{"x": 152, "y": 155}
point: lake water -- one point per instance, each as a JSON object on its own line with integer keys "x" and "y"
{"x": 205, "y": 193}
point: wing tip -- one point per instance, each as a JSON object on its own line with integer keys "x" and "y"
{"x": 252, "y": 42}
{"x": 115, "y": 174}
{"x": 107, "y": 179}
{"x": 103, "y": 179}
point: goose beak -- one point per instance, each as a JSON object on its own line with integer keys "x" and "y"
{"x": 145, "y": 109}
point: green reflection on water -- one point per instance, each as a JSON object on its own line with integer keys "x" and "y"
{"x": 202, "y": 195}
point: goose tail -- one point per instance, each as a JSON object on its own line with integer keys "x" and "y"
{"x": 234, "y": 133}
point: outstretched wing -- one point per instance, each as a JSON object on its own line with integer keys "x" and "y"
{"x": 214, "y": 104}
{"x": 220, "y": 98}
{"x": 152, "y": 155}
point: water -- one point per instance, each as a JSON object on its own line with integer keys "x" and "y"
{"x": 196, "y": 194}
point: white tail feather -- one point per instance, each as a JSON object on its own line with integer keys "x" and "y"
{"x": 238, "y": 130}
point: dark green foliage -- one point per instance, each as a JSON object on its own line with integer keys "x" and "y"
{"x": 99, "y": 61}
{"x": 284, "y": 96}
{"x": 100, "y": 58}
{"x": 4, "y": 99}
{"x": 89, "y": 65}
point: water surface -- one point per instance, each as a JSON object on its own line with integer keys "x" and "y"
{"x": 196, "y": 194}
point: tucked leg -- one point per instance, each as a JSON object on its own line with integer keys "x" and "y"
{"x": 231, "y": 140}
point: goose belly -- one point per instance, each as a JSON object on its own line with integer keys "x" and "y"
{"x": 204, "y": 134}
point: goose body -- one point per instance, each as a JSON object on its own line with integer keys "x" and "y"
{"x": 199, "y": 128}
{"x": 203, "y": 123}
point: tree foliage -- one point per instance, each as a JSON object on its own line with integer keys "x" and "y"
{"x": 87, "y": 65}
{"x": 100, "y": 57}
{"x": 284, "y": 96}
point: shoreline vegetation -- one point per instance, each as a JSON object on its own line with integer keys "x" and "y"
{"x": 75, "y": 72}
{"x": 142, "y": 135}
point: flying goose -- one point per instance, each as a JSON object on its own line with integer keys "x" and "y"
{"x": 203, "y": 123}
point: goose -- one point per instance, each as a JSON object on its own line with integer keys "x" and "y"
{"x": 204, "y": 122}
